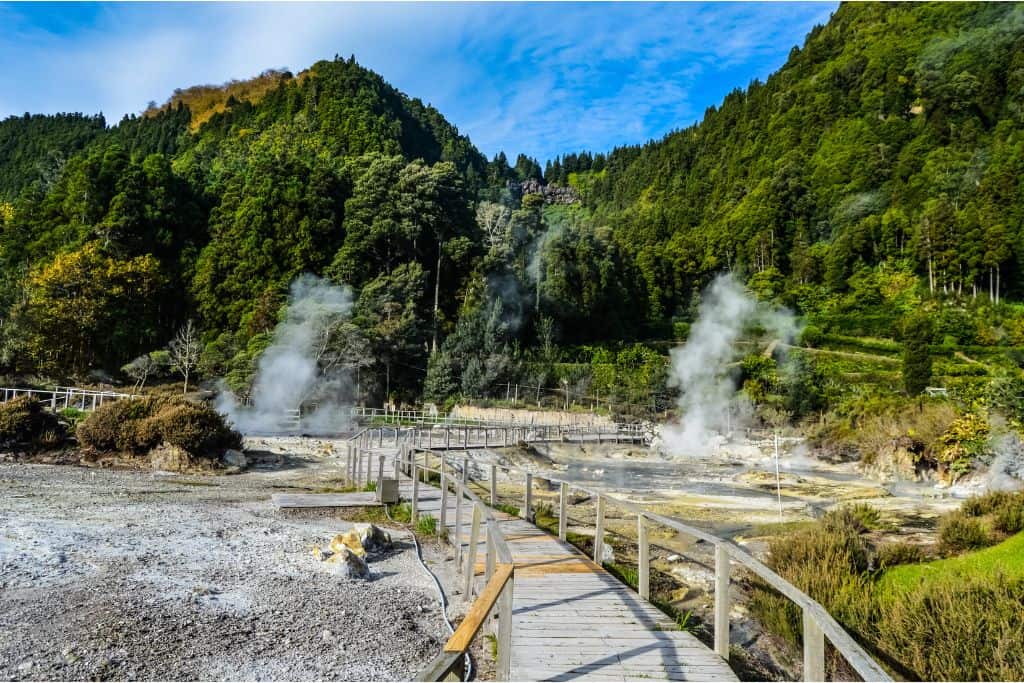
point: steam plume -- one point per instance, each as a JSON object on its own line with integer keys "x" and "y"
{"x": 700, "y": 368}
{"x": 292, "y": 373}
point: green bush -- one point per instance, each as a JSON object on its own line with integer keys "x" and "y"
{"x": 964, "y": 628}
{"x": 139, "y": 425}
{"x": 23, "y": 422}
{"x": 986, "y": 504}
{"x": 829, "y": 562}
{"x": 892, "y": 554}
{"x": 959, "y": 533}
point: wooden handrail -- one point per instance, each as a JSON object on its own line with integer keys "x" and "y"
{"x": 481, "y": 607}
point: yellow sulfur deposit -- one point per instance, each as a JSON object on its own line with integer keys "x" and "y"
{"x": 349, "y": 540}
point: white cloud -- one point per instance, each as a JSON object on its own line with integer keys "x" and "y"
{"x": 540, "y": 78}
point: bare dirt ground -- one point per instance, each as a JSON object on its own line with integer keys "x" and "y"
{"x": 141, "y": 575}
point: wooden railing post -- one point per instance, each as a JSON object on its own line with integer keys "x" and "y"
{"x": 644, "y": 559}
{"x": 474, "y": 539}
{"x": 369, "y": 467}
{"x": 415, "y": 492}
{"x": 529, "y": 496}
{"x": 380, "y": 473}
{"x": 505, "y": 631}
{"x": 563, "y": 509}
{"x": 494, "y": 485}
{"x": 722, "y": 601}
{"x": 444, "y": 497}
{"x": 814, "y": 649}
{"x": 491, "y": 559}
{"x": 458, "y": 522}
{"x": 599, "y": 532}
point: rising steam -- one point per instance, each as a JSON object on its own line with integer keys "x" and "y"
{"x": 292, "y": 373}
{"x": 701, "y": 369}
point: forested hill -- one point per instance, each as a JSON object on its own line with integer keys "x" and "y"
{"x": 894, "y": 136}
{"x": 878, "y": 172}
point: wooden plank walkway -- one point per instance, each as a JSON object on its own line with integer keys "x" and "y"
{"x": 572, "y": 620}
{"x": 325, "y": 500}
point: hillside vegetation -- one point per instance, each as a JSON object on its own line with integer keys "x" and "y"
{"x": 873, "y": 180}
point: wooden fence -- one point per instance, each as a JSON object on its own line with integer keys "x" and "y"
{"x": 65, "y": 397}
{"x": 818, "y": 624}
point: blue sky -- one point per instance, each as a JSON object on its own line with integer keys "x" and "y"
{"x": 544, "y": 79}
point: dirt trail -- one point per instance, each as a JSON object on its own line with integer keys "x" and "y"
{"x": 140, "y": 575}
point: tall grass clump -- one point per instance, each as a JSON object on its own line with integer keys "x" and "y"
{"x": 829, "y": 562}
{"x": 959, "y": 628}
{"x": 959, "y": 533}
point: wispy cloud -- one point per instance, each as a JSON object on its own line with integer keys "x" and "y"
{"x": 543, "y": 79}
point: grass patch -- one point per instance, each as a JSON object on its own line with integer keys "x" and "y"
{"x": 507, "y": 509}
{"x": 402, "y": 512}
{"x": 426, "y": 525}
{"x": 371, "y": 487}
{"x": 1006, "y": 559}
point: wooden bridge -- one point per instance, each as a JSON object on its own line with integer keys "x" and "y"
{"x": 561, "y": 615}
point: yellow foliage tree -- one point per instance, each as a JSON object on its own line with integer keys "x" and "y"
{"x": 86, "y": 308}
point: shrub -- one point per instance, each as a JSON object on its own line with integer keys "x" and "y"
{"x": 829, "y": 562}
{"x": 194, "y": 428}
{"x": 963, "y": 628}
{"x": 1010, "y": 518}
{"x": 892, "y": 554}
{"x": 139, "y": 425}
{"x": 859, "y": 516}
{"x": 986, "y": 504}
{"x": 24, "y": 422}
{"x": 959, "y": 533}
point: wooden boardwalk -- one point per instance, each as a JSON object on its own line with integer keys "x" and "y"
{"x": 572, "y": 620}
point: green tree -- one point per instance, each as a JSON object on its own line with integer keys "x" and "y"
{"x": 917, "y": 360}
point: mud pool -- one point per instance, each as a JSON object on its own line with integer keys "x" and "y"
{"x": 737, "y": 491}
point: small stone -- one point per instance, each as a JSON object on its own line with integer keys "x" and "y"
{"x": 233, "y": 458}
{"x": 25, "y": 666}
{"x": 348, "y": 564}
{"x": 674, "y": 558}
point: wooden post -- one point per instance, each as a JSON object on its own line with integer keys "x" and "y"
{"x": 444, "y": 497}
{"x": 415, "y": 492}
{"x": 474, "y": 539}
{"x": 458, "y": 522}
{"x": 494, "y": 485}
{"x": 529, "y": 496}
{"x": 465, "y": 437}
{"x": 722, "y": 601}
{"x": 599, "y": 532}
{"x": 348, "y": 461}
{"x": 486, "y": 432}
{"x": 563, "y": 509}
{"x": 491, "y": 560}
{"x": 380, "y": 474}
{"x": 505, "y": 631}
{"x": 814, "y": 649}
{"x": 369, "y": 467}
{"x": 447, "y": 438}
{"x": 644, "y": 561}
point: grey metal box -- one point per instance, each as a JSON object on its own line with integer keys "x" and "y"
{"x": 387, "y": 491}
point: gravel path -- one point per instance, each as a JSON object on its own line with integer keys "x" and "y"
{"x": 139, "y": 575}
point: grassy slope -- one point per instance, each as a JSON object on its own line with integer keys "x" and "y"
{"x": 1006, "y": 557}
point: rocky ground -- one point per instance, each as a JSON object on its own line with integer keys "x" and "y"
{"x": 143, "y": 575}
